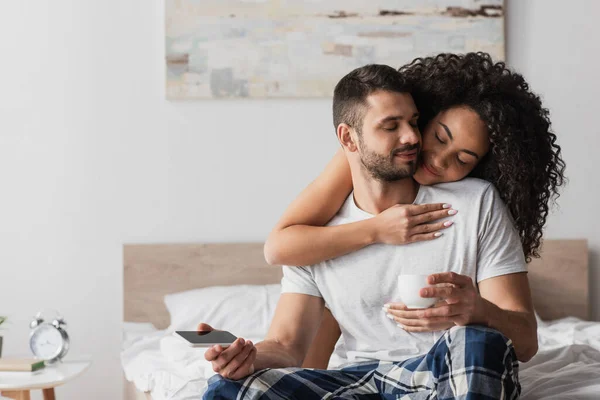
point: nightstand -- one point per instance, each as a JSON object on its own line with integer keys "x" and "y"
{"x": 17, "y": 385}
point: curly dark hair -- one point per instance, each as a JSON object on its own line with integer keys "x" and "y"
{"x": 524, "y": 162}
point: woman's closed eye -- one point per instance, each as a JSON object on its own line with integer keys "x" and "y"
{"x": 439, "y": 139}
{"x": 390, "y": 128}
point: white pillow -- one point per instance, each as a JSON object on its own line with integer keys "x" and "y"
{"x": 243, "y": 310}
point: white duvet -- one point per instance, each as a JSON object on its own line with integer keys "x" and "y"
{"x": 567, "y": 365}
{"x": 164, "y": 365}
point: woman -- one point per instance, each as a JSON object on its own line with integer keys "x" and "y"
{"x": 478, "y": 119}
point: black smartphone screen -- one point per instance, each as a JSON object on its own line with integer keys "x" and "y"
{"x": 208, "y": 338}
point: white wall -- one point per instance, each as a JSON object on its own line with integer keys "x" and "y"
{"x": 92, "y": 156}
{"x": 554, "y": 44}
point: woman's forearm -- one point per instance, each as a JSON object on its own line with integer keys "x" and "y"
{"x": 520, "y": 327}
{"x": 301, "y": 245}
{"x": 293, "y": 238}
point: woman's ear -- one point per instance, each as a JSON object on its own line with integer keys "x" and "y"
{"x": 347, "y": 137}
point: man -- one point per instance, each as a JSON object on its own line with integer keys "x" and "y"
{"x": 375, "y": 118}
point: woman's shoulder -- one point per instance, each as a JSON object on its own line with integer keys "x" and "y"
{"x": 472, "y": 197}
{"x": 466, "y": 187}
{"x": 466, "y": 194}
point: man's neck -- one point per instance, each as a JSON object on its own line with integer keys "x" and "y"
{"x": 374, "y": 196}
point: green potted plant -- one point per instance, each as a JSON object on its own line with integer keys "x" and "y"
{"x": 2, "y": 320}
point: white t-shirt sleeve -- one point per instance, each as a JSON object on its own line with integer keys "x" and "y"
{"x": 500, "y": 251}
{"x": 299, "y": 280}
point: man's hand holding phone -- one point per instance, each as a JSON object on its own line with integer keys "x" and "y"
{"x": 233, "y": 362}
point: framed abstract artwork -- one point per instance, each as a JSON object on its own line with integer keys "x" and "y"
{"x": 301, "y": 48}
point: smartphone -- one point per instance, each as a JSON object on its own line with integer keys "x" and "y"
{"x": 206, "y": 338}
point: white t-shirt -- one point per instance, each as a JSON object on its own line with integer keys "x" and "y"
{"x": 482, "y": 244}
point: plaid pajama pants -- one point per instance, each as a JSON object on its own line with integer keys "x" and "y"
{"x": 468, "y": 363}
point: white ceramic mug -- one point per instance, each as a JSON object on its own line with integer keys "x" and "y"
{"x": 409, "y": 287}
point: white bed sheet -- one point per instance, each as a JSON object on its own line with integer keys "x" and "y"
{"x": 158, "y": 362}
{"x": 567, "y": 365}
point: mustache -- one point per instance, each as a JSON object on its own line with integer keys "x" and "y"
{"x": 406, "y": 149}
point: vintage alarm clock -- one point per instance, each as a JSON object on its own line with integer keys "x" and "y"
{"x": 48, "y": 340}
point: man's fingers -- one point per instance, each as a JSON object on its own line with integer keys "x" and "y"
{"x": 202, "y": 327}
{"x": 446, "y": 312}
{"x": 440, "y": 303}
{"x": 212, "y": 353}
{"x": 450, "y": 277}
{"x": 425, "y": 323}
{"x": 433, "y": 328}
{"x": 395, "y": 312}
{"x": 452, "y": 300}
{"x": 236, "y": 361}
{"x": 439, "y": 292}
{"x": 229, "y": 353}
{"x": 410, "y": 314}
{"x": 394, "y": 306}
{"x": 417, "y": 329}
{"x": 247, "y": 367}
{"x": 399, "y": 310}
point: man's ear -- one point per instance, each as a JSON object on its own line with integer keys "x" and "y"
{"x": 347, "y": 137}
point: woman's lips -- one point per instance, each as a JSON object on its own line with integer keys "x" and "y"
{"x": 430, "y": 170}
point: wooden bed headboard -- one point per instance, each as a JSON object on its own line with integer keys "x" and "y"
{"x": 559, "y": 280}
{"x": 153, "y": 270}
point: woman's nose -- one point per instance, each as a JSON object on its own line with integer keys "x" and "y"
{"x": 439, "y": 163}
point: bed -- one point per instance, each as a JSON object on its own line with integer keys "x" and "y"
{"x": 164, "y": 283}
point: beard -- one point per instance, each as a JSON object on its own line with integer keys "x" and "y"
{"x": 383, "y": 168}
